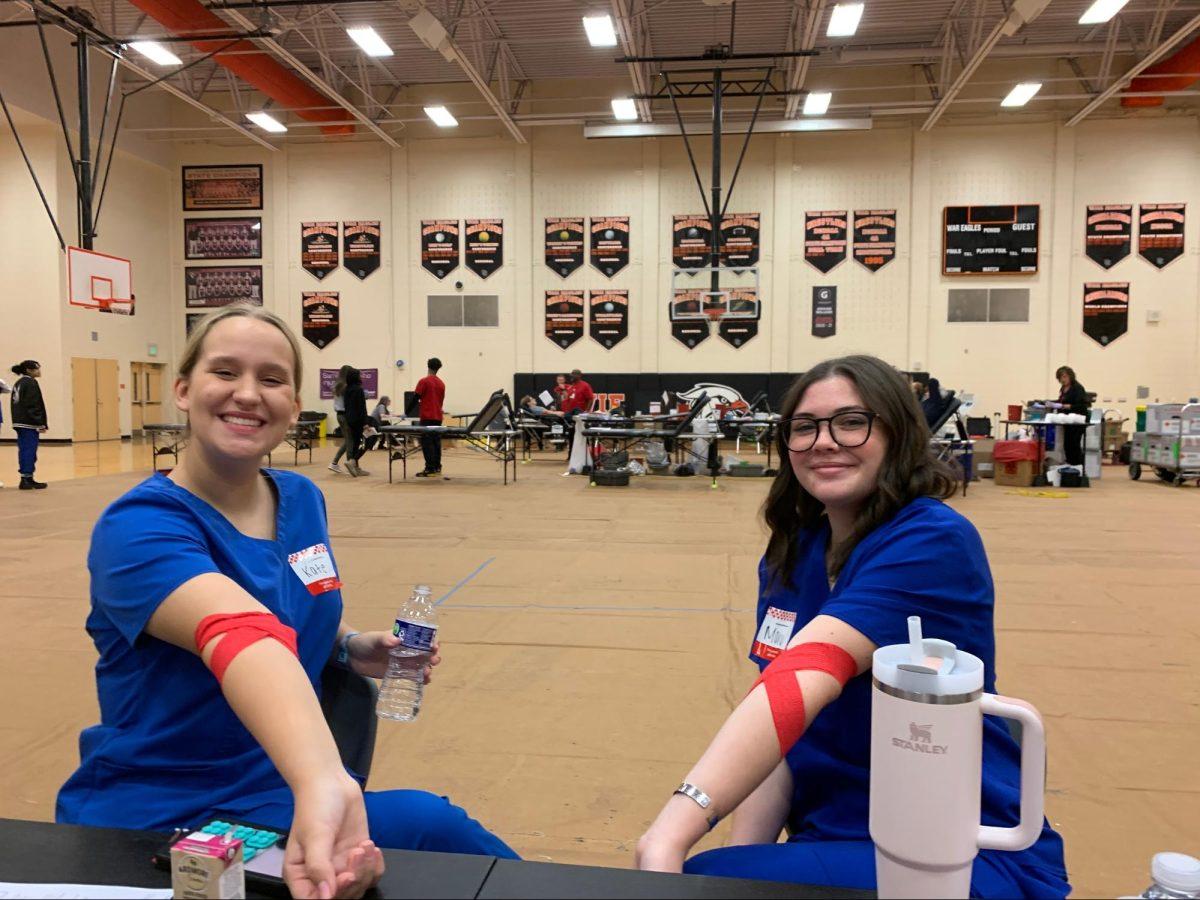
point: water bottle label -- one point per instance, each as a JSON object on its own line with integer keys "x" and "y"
{"x": 414, "y": 636}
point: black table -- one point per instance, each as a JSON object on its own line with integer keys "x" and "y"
{"x": 35, "y": 852}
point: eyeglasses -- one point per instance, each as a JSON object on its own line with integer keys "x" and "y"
{"x": 848, "y": 429}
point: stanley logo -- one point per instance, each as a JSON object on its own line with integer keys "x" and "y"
{"x": 920, "y": 740}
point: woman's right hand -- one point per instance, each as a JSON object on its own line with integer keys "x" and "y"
{"x": 329, "y": 852}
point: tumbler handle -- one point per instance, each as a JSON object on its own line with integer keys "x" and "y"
{"x": 1033, "y": 775}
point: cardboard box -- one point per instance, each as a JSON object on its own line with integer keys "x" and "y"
{"x": 208, "y": 866}
{"x": 1015, "y": 474}
{"x": 1158, "y": 413}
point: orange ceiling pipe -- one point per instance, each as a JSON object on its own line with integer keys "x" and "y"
{"x": 184, "y": 17}
{"x": 1184, "y": 60}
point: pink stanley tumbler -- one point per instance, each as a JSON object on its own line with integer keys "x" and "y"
{"x": 927, "y": 709}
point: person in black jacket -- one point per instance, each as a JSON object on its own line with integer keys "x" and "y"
{"x": 356, "y": 421}
{"x": 28, "y": 419}
{"x": 1074, "y": 399}
{"x": 934, "y": 403}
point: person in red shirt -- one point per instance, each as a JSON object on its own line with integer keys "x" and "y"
{"x": 578, "y": 399}
{"x": 579, "y": 395}
{"x": 560, "y": 390}
{"x": 432, "y": 391}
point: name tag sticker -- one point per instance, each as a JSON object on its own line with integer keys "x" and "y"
{"x": 314, "y": 566}
{"x": 774, "y": 633}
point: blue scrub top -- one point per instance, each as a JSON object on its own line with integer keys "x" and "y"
{"x": 928, "y": 561}
{"x": 169, "y": 748}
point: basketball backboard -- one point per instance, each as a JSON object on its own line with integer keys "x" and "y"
{"x": 99, "y": 281}
{"x": 715, "y": 292}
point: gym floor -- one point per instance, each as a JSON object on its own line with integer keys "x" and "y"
{"x": 603, "y": 640}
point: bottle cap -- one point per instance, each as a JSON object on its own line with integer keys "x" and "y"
{"x": 423, "y": 589}
{"x": 1176, "y": 872}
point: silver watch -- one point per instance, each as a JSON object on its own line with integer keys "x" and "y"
{"x": 701, "y": 799}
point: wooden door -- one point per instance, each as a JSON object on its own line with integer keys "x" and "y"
{"x": 108, "y": 400}
{"x": 136, "y": 402}
{"x": 152, "y": 392}
{"x": 83, "y": 392}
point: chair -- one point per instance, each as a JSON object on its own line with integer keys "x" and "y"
{"x": 348, "y": 702}
{"x": 489, "y": 422}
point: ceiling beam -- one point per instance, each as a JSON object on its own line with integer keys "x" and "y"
{"x": 312, "y": 77}
{"x": 806, "y": 25}
{"x": 633, "y": 35}
{"x": 171, "y": 89}
{"x": 964, "y": 75}
{"x": 1146, "y": 62}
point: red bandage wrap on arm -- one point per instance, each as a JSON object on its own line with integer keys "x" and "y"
{"x": 783, "y": 691}
{"x": 240, "y": 630}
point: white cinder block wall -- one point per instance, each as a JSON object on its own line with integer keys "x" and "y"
{"x": 898, "y": 313}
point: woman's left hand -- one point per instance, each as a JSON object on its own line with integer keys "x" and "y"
{"x": 369, "y": 653}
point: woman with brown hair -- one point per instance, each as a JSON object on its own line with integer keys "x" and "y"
{"x": 860, "y": 540}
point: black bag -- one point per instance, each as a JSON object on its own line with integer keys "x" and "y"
{"x": 612, "y": 460}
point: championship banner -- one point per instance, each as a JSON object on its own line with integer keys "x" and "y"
{"x": 740, "y": 240}
{"x": 318, "y": 248}
{"x": 824, "y": 311}
{"x": 1160, "y": 232}
{"x": 825, "y": 239}
{"x": 1105, "y": 311}
{"x": 564, "y": 316}
{"x": 608, "y": 323}
{"x": 320, "y": 317}
{"x": 485, "y": 245}
{"x": 610, "y": 243}
{"x": 360, "y": 247}
{"x": 439, "y": 246}
{"x": 736, "y": 332}
{"x": 1108, "y": 234}
{"x": 564, "y": 244}
{"x": 689, "y": 332}
{"x": 691, "y": 242}
{"x": 874, "y": 237}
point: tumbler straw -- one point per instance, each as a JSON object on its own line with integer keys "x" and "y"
{"x": 916, "y": 644}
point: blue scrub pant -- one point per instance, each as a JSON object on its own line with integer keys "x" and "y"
{"x": 27, "y": 447}
{"x": 402, "y": 820}
{"x": 851, "y": 864}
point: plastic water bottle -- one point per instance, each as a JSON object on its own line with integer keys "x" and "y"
{"x": 1176, "y": 876}
{"x": 402, "y": 687}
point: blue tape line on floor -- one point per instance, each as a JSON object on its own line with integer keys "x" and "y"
{"x": 450, "y": 593}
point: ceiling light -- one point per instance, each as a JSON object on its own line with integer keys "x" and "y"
{"x": 441, "y": 116}
{"x": 156, "y": 53}
{"x": 266, "y": 122}
{"x": 1101, "y": 11}
{"x": 624, "y": 109}
{"x": 371, "y": 43}
{"x": 843, "y": 21}
{"x": 817, "y": 102}
{"x": 1022, "y": 93}
{"x": 600, "y": 31}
